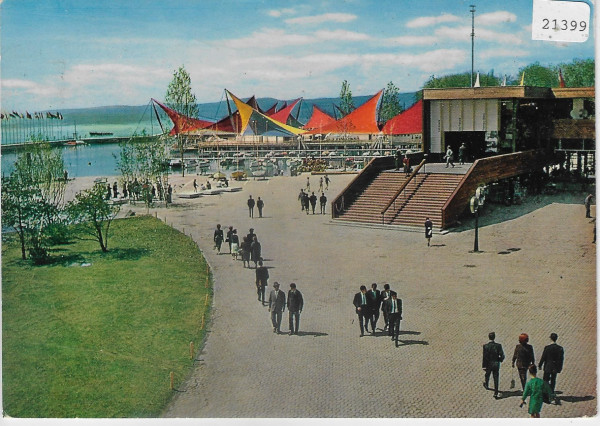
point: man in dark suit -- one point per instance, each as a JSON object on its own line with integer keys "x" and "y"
{"x": 385, "y": 295}
{"x": 493, "y": 355}
{"x": 262, "y": 275}
{"x": 374, "y": 302}
{"x": 295, "y": 303}
{"x": 362, "y": 309}
{"x": 276, "y": 306}
{"x": 394, "y": 310}
{"x": 251, "y": 206}
{"x": 552, "y": 361}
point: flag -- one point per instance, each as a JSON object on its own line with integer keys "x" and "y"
{"x": 561, "y": 80}
{"x": 477, "y": 84}
{"x": 522, "y": 83}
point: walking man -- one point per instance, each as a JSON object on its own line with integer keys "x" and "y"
{"x": 394, "y": 309}
{"x": 313, "y": 202}
{"x": 195, "y": 186}
{"x": 385, "y": 295}
{"x": 323, "y": 202}
{"x": 251, "y": 206}
{"x": 362, "y": 309}
{"x": 262, "y": 275}
{"x": 327, "y": 183}
{"x": 321, "y": 184}
{"x": 276, "y": 306}
{"x": 449, "y": 157}
{"x": 301, "y": 198}
{"x": 306, "y": 201}
{"x": 428, "y": 230}
{"x": 552, "y": 362}
{"x": 295, "y": 303}
{"x": 461, "y": 153}
{"x": 588, "y": 205}
{"x": 218, "y": 238}
{"x": 260, "y": 204}
{"x": 493, "y": 355}
{"x": 307, "y": 183}
{"x": 374, "y": 302}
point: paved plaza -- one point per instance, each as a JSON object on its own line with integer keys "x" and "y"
{"x": 535, "y": 274}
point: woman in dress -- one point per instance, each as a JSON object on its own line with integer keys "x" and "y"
{"x": 523, "y": 356}
{"x": 235, "y": 241}
{"x": 255, "y": 251}
{"x": 218, "y": 238}
{"x": 535, "y": 389}
{"x": 246, "y": 252}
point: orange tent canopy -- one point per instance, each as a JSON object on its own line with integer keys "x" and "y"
{"x": 407, "y": 122}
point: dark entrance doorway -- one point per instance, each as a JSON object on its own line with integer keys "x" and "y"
{"x": 474, "y": 143}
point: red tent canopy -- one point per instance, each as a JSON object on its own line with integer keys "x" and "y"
{"x": 182, "y": 123}
{"x": 407, "y": 122}
{"x": 318, "y": 119}
{"x": 283, "y": 114}
{"x": 362, "y": 120}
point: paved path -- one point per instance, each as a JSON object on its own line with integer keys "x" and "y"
{"x": 452, "y": 299}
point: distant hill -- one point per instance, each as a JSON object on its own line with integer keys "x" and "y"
{"x": 128, "y": 114}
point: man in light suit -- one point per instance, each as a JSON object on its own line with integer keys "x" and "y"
{"x": 552, "y": 361}
{"x": 276, "y": 306}
{"x": 385, "y": 295}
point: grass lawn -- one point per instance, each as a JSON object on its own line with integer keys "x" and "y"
{"x": 101, "y": 340}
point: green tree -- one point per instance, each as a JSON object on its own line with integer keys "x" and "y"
{"x": 346, "y": 102}
{"x": 390, "y": 103}
{"x": 180, "y": 98}
{"x": 94, "y": 214}
{"x": 579, "y": 73}
{"x": 460, "y": 80}
{"x": 538, "y": 75}
{"x": 33, "y": 200}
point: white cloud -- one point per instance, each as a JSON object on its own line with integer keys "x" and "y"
{"x": 428, "y": 21}
{"x": 412, "y": 40}
{"x": 319, "y": 19}
{"x": 494, "y": 18}
{"x": 463, "y": 33}
{"x": 268, "y": 39}
{"x": 341, "y": 35}
{"x": 29, "y": 87}
{"x": 500, "y": 53}
{"x": 277, "y": 13}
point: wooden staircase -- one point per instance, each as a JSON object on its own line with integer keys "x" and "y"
{"x": 423, "y": 197}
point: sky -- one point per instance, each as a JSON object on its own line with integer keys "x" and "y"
{"x": 85, "y": 53}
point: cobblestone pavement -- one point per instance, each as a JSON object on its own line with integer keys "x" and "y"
{"x": 536, "y": 274}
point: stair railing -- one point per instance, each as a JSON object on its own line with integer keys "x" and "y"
{"x": 401, "y": 190}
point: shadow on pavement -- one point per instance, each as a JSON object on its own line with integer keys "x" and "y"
{"x": 509, "y": 394}
{"x": 576, "y": 398}
{"x": 411, "y": 342}
{"x": 414, "y": 333}
{"x": 312, "y": 333}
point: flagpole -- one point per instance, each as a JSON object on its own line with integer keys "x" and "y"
{"x": 472, "y": 10}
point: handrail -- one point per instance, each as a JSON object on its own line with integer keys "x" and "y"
{"x": 403, "y": 186}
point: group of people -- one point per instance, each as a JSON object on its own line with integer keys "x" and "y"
{"x": 260, "y": 204}
{"x": 277, "y": 300}
{"x": 250, "y": 249}
{"x": 369, "y": 303}
{"x": 538, "y": 390}
{"x": 310, "y": 202}
{"x": 136, "y": 190}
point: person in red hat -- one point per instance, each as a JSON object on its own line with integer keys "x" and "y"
{"x": 523, "y": 357}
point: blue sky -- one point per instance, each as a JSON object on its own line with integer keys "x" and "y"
{"x": 81, "y": 53}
